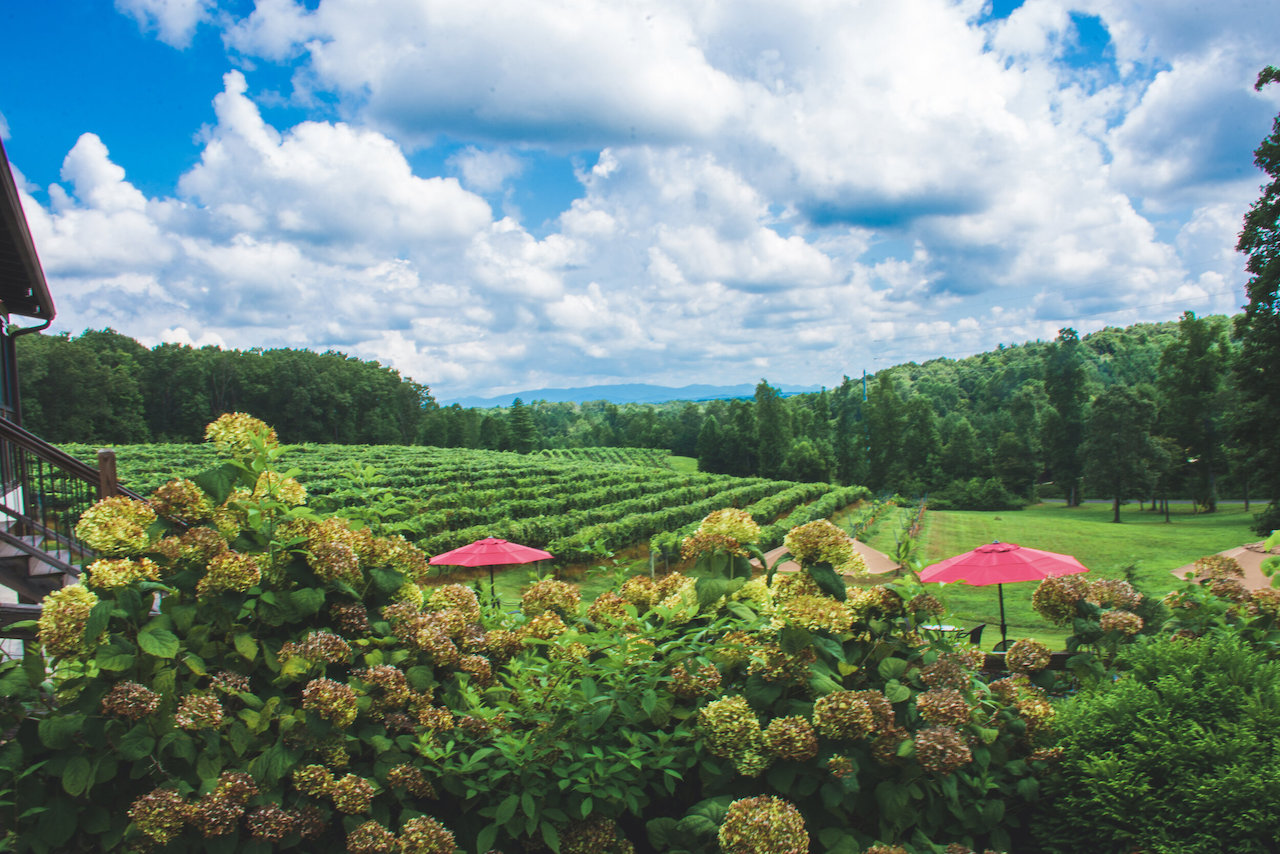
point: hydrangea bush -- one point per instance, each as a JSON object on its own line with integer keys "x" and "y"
{"x": 240, "y": 674}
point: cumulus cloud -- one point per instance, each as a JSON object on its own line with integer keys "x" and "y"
{"x": 173, "y": 21}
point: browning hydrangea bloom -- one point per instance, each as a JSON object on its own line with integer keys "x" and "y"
{"x": 943, "y": 706}
{"x": 454, "y": 597}
{"x": 112, "y": 573}
{"x": 596, "y": 835}
{"x": 230, "y": 683}
{"x": 317, "y": 647}
{"x": 790, "y": 585}
{"x": 639, "y": 590}
{"x": 333, "y": 701}
{"x": 1027, "y": 655}
{"x": 844, "y": 715}
{"x": 774, "y": 664}
{"x": 927, "y": 604}
{"x": 314, "y": 780}
{"x": 884, "y": 749}
{"x": 756, "y": 593}
{"x": 372, "y": 838}
{"x": 941, "y": 749}
{"x": 886, "y": 849}
{"x": 238, "y": 434}
{"x": 352, "y": 795}
{"x": 218, "y": 813}
{"x": 840, "y": 767}
{"x": 502, "y": 644}
{"x": 550, "y": 595}
{"x": 425, "y": 835}
{"x": 182, "y": 500}
{"x": 160, "y": 814}
{"x": 1218, "y": 566}
{"x": 1055, "y": 599}
{"x": 1266, "y": 601}
{"x": 130, "y": 700}
{"x": 722, "y": 530}
{"x": 116, "y": 526}
{"x": 411, "y": 779}
{"x": 434, "y": 718}
{"x": 792, "y": 738}
{"x": 948, "y": 671}
{"x": 817, "y": 613}
{"x": 609, "y": 608}
{"x": 198, "y": 711}
{"x": 1231, "y": 589}
{"x": 198, "y": 546}
{"x": 822, "y": 542}
{"x": 1124, "y": 622}
{"x": 735, "y": 648}
{"x": 545, "y": 626}
{"x": 271, "y": 823}
{"x": 398, "y": 553}
{"x": 63, "y": 618}
{"x": 331, "y": 553}
{"x": 869, "y": 603}
{"x": 1113, "y": 593}
{"x": 392, "y": 681}
{"x": 763, "y": 825}
{"x": 479, "y": 667}
{"x": 230, "y": 571}
{"x": 1029, "y": 701}
{"x": 276, "y": 486}
{"x": 351, "y": 617}
{"x": 687, "y": 685}
{"x": 731, "y": 727}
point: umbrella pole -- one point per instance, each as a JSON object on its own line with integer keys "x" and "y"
{"x": 1004, "y": 629}
{"x": 493, "y": 588}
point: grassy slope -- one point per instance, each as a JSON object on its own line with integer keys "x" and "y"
{"x": 1142, "y": 540}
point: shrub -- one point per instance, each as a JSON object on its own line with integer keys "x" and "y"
{"x": 1181, "y": 753}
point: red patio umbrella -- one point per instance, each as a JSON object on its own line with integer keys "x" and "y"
{"x": 490, "y": 552}
{"x": 1000, "y": 564}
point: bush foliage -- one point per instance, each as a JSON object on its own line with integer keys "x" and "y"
{"x": 243, "y": 674}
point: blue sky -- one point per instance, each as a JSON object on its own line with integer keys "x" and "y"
{"x": 537, "y": 193}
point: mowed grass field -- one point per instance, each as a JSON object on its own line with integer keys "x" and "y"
{"x": 1143, "y": 547}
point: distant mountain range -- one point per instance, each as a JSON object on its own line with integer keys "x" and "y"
{"x": 623, "y": 393}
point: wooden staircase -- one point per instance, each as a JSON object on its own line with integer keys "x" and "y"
{"x": 43, "y": 492}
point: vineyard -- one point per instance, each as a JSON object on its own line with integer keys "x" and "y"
{"x": 572, "y": 505}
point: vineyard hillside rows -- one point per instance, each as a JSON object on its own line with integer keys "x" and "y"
{"x": 577, "y": 504}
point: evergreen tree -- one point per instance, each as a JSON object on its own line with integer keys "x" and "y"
{"x": 773, "y": 430}
{"x": 520, "y": 428}
{"x": 1191, "y": 377}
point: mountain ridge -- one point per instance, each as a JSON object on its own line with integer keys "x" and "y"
{"x": 620, "y": 393}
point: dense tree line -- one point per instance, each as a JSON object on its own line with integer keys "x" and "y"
{"x": 106, "y": 387}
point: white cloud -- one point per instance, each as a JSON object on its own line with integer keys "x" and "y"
{"x": 485, "y": 171}
{"x": 173, "y": 21}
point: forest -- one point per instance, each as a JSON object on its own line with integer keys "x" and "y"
{"x": 1123, "y": 413}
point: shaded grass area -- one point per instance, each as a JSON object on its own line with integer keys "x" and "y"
{"x": 1143, "y": 548}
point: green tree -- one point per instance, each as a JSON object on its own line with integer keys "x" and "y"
{"x": 773, "y": 430}
{"x": 1192, "y": 370}
{"x": 1121, "y": 458}
{"x": 1259, "y": 327}
{"x": 1064, "y": 384}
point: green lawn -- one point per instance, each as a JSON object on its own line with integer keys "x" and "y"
{"x": 1142, "y": 540}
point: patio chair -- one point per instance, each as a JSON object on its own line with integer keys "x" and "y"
{"x": 975, "y": 634}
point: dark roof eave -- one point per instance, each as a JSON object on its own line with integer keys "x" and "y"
{"x": 23, "y": 289}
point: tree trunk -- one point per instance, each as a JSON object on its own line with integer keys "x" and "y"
{"x": 1166, "y": 508}
{"x": 1116, "y": 504}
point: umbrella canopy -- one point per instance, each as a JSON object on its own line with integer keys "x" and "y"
{"x": 1002, "y": 563}
{"x": 490, "y": 552}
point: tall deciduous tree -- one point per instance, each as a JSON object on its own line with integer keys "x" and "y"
{"x": 1191, "y": 374}
{"x": 1257, "y": 371}
{"x": 1121, "y": 458}
{"x": 1064, "y": 385}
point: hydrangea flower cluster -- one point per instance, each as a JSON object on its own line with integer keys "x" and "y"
{"x": 218, "y": 813}
{"x": 1125, "y": 622}
{"x": 791, "y": 737}
{"x": 1113, "y": 593}
{"x": 272, "y": 823}
{"x": 774, "y": 664}
{"x": 425, "y": 835}
{"x": 949, "y": 670}
{"x": 392, "y": 682}
{"x": 941, "y": 749}
{"x": 1031, "y": 703}
{"x": 689, "y": 685}
{"x": 869, "y": 603}
{"x": 790, "y": 585}
{"x": 725, "y": 530}
{"x": 549, "y": 594}
{"x": 844, "y": 715}
{"x": 230, "y": 572}
{"x": 596, "y": 835}
{"x": 822, "y": 542}
{"x": 412, "y": 780}
{"x": 317, "y": 647}
{"x": 130, "y": 700}
{"x": 817, "y": 613}
{"x": 1056, "y": 599}
{"x": 198, "y": 711}
{"x": 454, "y": 597}
{"x": 160, "y": 814}
{"x": 331, "y": 700}
{"x": 944, "y": 706}
{"x": 63, "y": 618}
{"x": 733, "y": 732}
{"x": 238, "y": 435}
{"x": 1028, "y": 655}
{"x": 763, "y": 825}
{"x": 110, "y": 573}
{"x": 609, "y": 609}
{"x": 331, "y": 553}
{"x": 372, "y": 838}
{"x": 180, "y": 499}
{"x": 927, "y": 604}
{"x": 116, "y": 526}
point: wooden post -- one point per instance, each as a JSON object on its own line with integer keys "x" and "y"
{"x": 107, "y": 482}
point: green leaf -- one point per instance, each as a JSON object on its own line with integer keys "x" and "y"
{"x": 136, "y": 743}
{"x": 662, "y": 833}
{"x": 77, "y": 776}
{"x": 99, "y": 617}
{"x": 486, "y": 837}
{"x": 219, "y": 481}
{"x": 387, "y": 580}
{"x": 57, "y": 732}
{"x": 584, "y": 809}
{"x": 1029, "y": 788}
{"x": 829, "y": 580}
{"x": 527, "y": 804}
{"x": 893, "y": 668}
{"x": 550, "y": 836}
{"x": 896, "y": 692}
{"x": 506, "y": 809}
{"x": 246, "y": 645}
{"x": 117, "y": 655}
{"x": 161, "y": 643}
